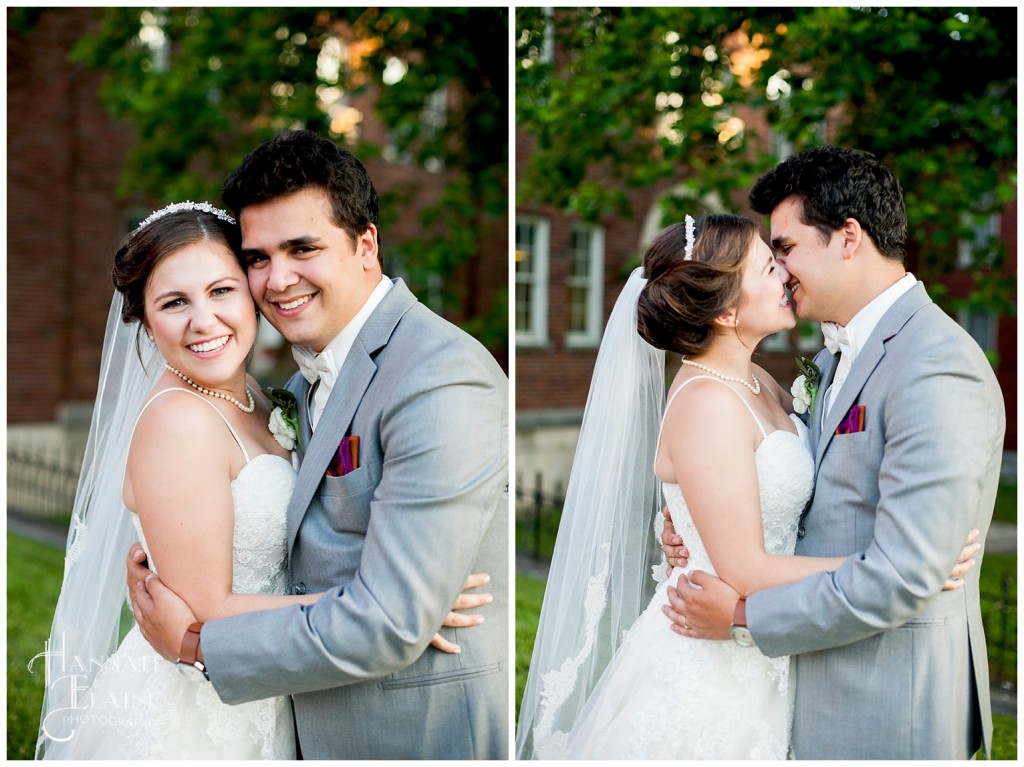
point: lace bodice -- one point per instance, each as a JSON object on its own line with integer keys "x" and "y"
{"x": 785, "y": 476}
{"x": 260, "y": 493}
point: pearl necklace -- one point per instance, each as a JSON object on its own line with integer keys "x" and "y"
{"x": 756, "y": 388}
{"x": 237, "y": 403}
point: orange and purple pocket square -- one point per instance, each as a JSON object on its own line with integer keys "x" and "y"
{"x": 346, "y": 458}
{"x": 853, "y": 422}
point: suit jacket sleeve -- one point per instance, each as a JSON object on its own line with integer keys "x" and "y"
{"x": 942, "y": 417}
{"x": 444, "y": 472}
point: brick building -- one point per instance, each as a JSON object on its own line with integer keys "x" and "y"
{"x": 64, "y": 157}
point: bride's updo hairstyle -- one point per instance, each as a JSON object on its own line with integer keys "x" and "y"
{"x": 151, "y": 243}
{"x": 677, "y": 308}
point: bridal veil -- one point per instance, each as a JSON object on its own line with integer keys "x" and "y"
{"x": 600, "y": 576}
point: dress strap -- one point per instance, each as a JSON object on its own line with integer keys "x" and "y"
{"x": 684, "y": 384}
{"x": 234, "y": 433}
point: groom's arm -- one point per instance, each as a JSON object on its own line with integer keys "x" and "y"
{"x": 443, "y": 476}
{"x": 941, "y": 424}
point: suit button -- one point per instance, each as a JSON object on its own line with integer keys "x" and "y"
{"x": 800, "y": 533}
{"x": 299, "y": 589}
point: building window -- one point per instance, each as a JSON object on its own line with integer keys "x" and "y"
{"x": 982, "y": 326}
{"x": 532, "y": 236}
{"x": 433, "y": 118}
{"x": 971, "y": 251}
{"x": 585, "y": 280}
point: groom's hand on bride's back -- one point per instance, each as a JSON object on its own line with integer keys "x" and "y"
{"x": 676, "y": 553}
{"x": 464, "y": 601}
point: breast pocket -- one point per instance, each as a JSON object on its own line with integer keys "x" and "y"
{"x": 850, "y": 443}
{"x": 348, "y": 499}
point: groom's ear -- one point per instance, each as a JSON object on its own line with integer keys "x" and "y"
{"x": 367, "y": 247}
{"x": 852, "y": 234}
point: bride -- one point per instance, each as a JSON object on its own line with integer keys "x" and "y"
{"x": 736, "y": 474}
{"x": 179, "y": 434}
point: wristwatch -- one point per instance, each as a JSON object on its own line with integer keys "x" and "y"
{"x": 740, "y": 633}
{"x": 188, "y": 662}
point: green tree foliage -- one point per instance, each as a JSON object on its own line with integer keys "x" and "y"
{"x": 202, "y": 86}
{"x": 642, "y": 95}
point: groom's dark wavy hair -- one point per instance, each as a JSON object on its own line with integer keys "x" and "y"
{"x": 834, "y": 184}
{"x": 298, "y": 159}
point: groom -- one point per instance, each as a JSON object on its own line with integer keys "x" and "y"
{"x": 907, "y": 434}
{"x": 391, "y": 538}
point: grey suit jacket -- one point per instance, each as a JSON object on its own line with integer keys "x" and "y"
{"x": 391, "y": 543}
{"x": 888, "y": 665}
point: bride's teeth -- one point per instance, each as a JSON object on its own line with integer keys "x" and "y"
{"x": 296, "y": 303}
{"x": 209, "y": 346}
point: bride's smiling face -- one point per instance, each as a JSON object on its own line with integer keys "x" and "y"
{"x": 200, "y": 313}
{"x": 764, "y": 308}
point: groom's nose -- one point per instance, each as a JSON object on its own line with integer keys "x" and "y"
{"x": 280, "y": 275}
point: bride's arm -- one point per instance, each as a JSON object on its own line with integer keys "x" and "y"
{"x": 710, "y": 439}
{"x": 179, "y": 468}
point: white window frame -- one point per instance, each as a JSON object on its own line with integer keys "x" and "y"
{"x": 536, "y": 334}
{"x": 592, "y": 283}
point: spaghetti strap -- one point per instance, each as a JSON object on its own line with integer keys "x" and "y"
{"x": 234, "y": 434}
{"x": 683, "y": 385}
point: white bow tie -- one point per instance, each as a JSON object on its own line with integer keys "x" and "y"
{"x": 837, "y": 338}
{"x": 315, "y": 367}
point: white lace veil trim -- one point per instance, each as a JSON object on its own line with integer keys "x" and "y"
{"x": 599, "y": 581}
{"x": 85, "y": 628}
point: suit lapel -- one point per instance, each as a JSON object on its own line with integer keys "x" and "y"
{"x": 871, "y": 354}
{"x": 868, "y": 358}
{"x": 825, "y": 361}
{"x": 353, "y": 380}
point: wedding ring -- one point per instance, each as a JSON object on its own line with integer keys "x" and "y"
{"x": 685, "y": 624}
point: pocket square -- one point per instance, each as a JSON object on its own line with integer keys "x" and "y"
{"x": 853, "y": 422}
{"x": 346, "y": 458}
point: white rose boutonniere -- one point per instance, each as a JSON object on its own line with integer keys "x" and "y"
{"x": 284, "y": 418}
{"x": 805, "y": 387}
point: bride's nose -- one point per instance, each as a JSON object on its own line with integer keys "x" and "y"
{"x": 781, "y": 271}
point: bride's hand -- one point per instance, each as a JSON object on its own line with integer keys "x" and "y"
{"x": 464, "y": 602}
{"x": 676, "y": 553}
{"x": 964, "y": 564}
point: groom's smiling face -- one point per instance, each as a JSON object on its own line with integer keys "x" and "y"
{"x": 812, "y": 263}
{"x": 308, "y": 276}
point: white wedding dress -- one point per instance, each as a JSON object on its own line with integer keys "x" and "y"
{"x": 664, "y": 696}
{"x": 140, "y": 706}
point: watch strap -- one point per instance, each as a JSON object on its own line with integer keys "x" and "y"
{"x": 739, "y": 616}
{"x": 190, "y": 645}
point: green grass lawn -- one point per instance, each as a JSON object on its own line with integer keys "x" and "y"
{"x": 1006, "y": 504}
{"x": 530, "y": 594}
{"x": 34, "y": 573}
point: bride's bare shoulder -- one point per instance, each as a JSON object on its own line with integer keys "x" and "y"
{"x": 180, "y": 424}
